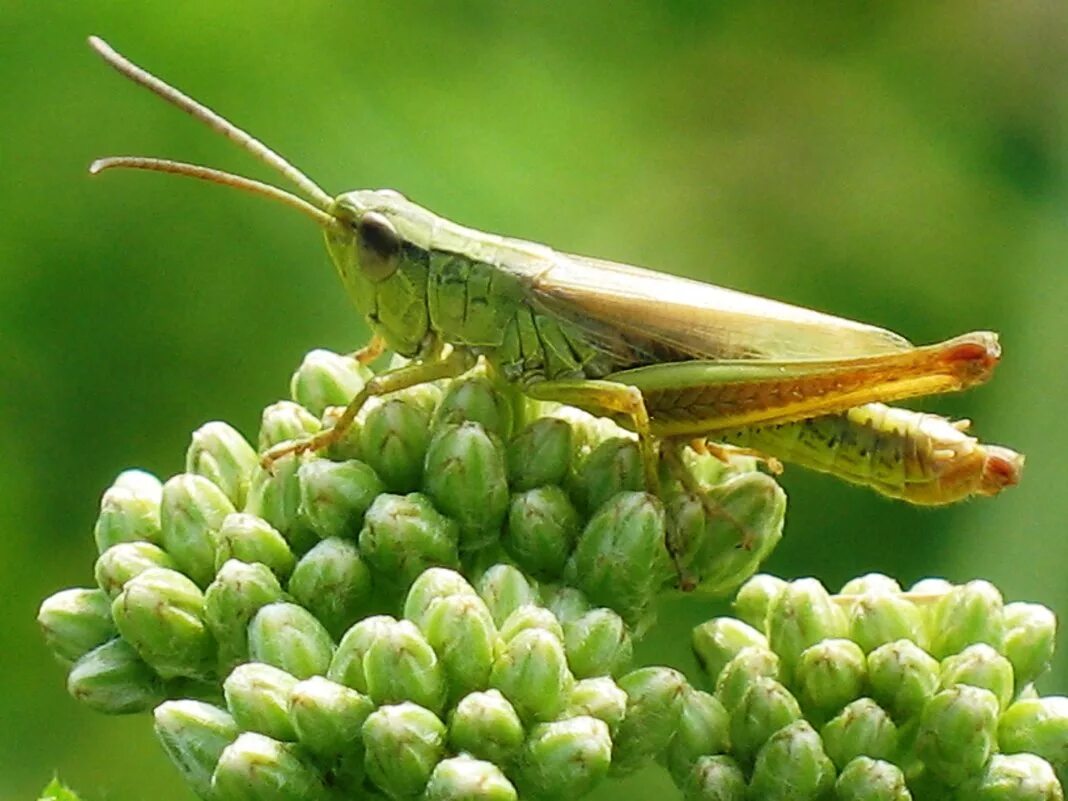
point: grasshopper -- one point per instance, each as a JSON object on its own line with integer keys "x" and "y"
{"x": 674, "y": 360}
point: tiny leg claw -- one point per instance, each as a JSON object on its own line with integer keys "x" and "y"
{"x": 296, "y": 447}
{"x": 724, "y": 453}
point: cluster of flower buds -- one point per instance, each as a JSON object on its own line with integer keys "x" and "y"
{"x": 874, "y": 693}
{"x": 443, "y": 606}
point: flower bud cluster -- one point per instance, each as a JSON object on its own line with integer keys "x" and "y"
{"x": 425, "y": 478}
{"x": 875, "y": 693}
{"x": 443, "y": 606}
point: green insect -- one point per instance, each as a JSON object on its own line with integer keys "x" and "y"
{"x": 676, "y": 361}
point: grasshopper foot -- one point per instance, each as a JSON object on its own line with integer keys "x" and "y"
{"x": 315, "y": 442}
{"x": 724, "y": 452}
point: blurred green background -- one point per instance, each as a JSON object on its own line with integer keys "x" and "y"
{"x": 898, "y": 163}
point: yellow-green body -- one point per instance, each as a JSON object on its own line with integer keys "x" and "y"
{"x": 669, "y": 357}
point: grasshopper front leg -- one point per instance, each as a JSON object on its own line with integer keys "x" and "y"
{"x": 450, "y": 366}
{"x": 610, "y": 399}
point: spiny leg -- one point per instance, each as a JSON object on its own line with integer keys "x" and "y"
{"x": 672, "y": 453}
{"x": 371, "y": 351}
{"x": 606, "y": 397}
{"x": 403, "y": 377}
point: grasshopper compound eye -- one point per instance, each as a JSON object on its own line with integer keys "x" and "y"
{"x": 378, "y": 246}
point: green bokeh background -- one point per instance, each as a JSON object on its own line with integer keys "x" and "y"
{"x": 897, "y": 163}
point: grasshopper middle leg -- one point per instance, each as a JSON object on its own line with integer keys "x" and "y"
{"x": 608, "y": 398}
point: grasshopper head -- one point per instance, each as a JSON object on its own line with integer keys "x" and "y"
{"x": 365, "y": 242}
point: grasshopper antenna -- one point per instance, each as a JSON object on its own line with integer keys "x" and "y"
{"x": 216, "y": 177}
{"x": 320, "y": 200}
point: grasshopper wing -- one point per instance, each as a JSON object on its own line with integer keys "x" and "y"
{"x": 630, "y": 311}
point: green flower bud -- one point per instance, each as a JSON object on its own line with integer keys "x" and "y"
{"x": 801, "y": 616}
{"x": 1016, "y": 777}
{"x": 465, "y": 477}
{"x": 704, "y": 728}
{"x": 194, "y": 734}
{"x": 220, "y": 454}
{"x": 829, "y": 675}
{"x": 599, "y": 698}
{"x": 878, "y": 618}
{"x": 613, "y": 466}
{"x": 257, "y": 695}
{"x": 394, "y": 436}
{"x": 716, "y": 642}
{"x": 129, "y": 511}
{"x": 433, "y": 583}
{"x": 238, "y": 592}
{"x": 191, "y": 513}
{"x": 347, "y": 665}
{"x": 598, "y": 644}
{"x": 980, "y": 666}
{"x": 328, "y": 717}
{"x": 121, "y": 562}
{"x": 463, "y": 778}
{"x": 460, "y": 630}
{"x": 715, "y": 778}
{"x": 621, "y": 560}
{"x": 333, "y": 583}
{"x": 764, "y": 708}
{"x": 404, "y": 535}
{"x": 655, "y": 697}
{"x": 486, "y": 726}
{"x": 401, "y": 666}
{"x": 930, "y": 587}
{"x": 717, "y": 552}
{"x": 531, "y": 671}
{"x": 871, "y": 584}
{"x": 567, "y": 603}
{"x": 1038, "y": 726}
{"x": 284, "y": 421}
{"x": 866, "y": 779}
{"x": 289, "y": 637}
{"x": 966, "y": 615}
{"x": 738, "y": 675}
{"x": 75, "y": 622}
{"x": 542, "y": 529}
{"x": 326, "y": 379}
{"x": 902, "y": 677}
{"x": 114, "y": 680}
{"x": 404, "y": 743}
{"x": 1030, "y": 632}
{"x": 476, "y": 398}
{"x": 505, "y": 589}
{"x": 274, "y": 495}
{"x": 792, "y": 765}
{"x": 540, "y": 454}
{"x": 347, "y": 446}
{"x": 958, "y": 732}
{"x": 161, "y": 614}
{"x": 530, "y": 616}
{"x": 257, "y": 768}
{"x": 564, "y": 759}
{"x": 252, "y": 539}
{"x": 755, "y": 597}
{"x": 861, "y": 729}
{"x": 334, "y": 496}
